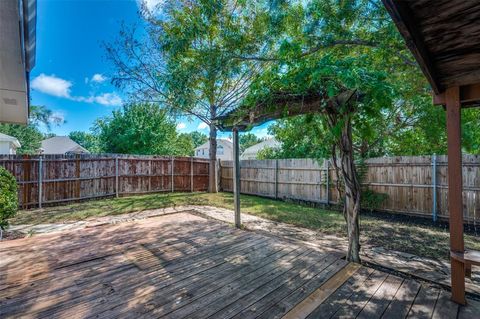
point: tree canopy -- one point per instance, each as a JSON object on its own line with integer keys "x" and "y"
{"x": 30, "y": 136}
{"x": 141, "y": 128}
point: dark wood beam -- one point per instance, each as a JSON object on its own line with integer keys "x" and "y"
{"x": 283, "y": 106}
{"x": 455, "y": 206}
{"x": 403, "y": 17}
{"x": 469, "y": 96}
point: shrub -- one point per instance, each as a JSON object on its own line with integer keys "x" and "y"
{"x": 8, "y": 197}
{"x": 372, "y": 200}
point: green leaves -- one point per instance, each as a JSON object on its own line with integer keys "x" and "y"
{"x": 141, "y": 128}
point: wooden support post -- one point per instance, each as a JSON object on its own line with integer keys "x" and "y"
{"x": 455, "y": 206}
{"x": 236, "y": 177}
{"x": 191, "y": 175}
{"x": 40, "y": 181}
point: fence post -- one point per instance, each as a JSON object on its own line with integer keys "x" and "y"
{"x": 40, "y": 181}
{"x": 434, "y": 187}
{"x": 191, "y": 174}
{"x": 276, "y": 178}
{"x": 116, "y": 176}
{"x": 149, "y": 175}
{"x": 173, "y": 163}
{"x": 26, "y": 178}
{"x": 328, "y": 180}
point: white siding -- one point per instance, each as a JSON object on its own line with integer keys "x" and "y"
{"x": 6, "y": 148}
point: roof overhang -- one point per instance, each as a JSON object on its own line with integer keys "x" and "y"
{"x": 17, "y": 58}
{"x": 443, "y": 37}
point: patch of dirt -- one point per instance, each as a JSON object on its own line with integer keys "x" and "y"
{"x": 12, "y": 234}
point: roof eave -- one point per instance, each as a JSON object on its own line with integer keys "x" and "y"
{"x": 402, "y": 16}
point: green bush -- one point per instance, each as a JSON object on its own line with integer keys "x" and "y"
{"x": 8, "y": 197}
{"x": 372, "y": 200}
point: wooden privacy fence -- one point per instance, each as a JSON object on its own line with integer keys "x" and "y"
{"x": 53, "y": 179}
{"x": 413, "y": 185}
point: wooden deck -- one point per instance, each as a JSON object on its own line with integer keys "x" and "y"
{"x": 185, "y": 266}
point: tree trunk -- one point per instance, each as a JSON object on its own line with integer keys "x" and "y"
{"x": 212, "y": 155}
{"x": 352, "y": 191}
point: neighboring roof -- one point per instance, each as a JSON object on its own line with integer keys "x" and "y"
{"x": 61, "y": 145}
{"x": 443, "y": 37}
{"x": 254, "y": 149}
{"x": 222, "y": 141}
{"x": 8, "y": 138}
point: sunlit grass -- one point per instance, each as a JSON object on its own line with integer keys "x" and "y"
{"x": 405, "y": 236}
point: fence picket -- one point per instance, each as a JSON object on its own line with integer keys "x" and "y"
{"x": 411, "y": 184}
{"x": 63, "y": 178}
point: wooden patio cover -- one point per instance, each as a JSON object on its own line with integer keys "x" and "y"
{"x": 444, "y": 37}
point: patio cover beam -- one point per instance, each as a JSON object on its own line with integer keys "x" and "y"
{"x": 443, "y": 37}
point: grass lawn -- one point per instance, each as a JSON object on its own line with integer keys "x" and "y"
{"x": 396, "y": 234}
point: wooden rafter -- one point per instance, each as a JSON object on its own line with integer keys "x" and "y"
{"x": 283, "y": 105}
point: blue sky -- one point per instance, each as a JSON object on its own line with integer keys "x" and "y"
{"x": 71, "y": 76}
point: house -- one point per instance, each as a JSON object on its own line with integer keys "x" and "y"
{"x": 8, "y": 144}
{"x": 61, "y": 145}
{"x": 17, "y": 58}
{"x": 251, "y": 152}
{"x": 224, "y": 150}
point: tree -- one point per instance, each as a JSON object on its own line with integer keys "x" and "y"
{"x": 30, "y": 136}
{"x": 327, "y": 48}
{"x": 87, "y": 140}
{"x": 198, "y": 138}
{"x": 140, "y": 128}
{"x": 248, "y": 139}
{"x": 189, "y": 60}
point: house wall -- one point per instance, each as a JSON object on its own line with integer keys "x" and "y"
{"x": 6, "y": 148}
{"x": 226, "y": 156}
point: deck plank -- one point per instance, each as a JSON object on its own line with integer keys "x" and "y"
{"x": 284, "y": 298}
{"x": 236, "y": 300}
{"x": 424, "y": 303}
{"x": 381, "y": 299}
{"x": 445, "y": 308}
{"x": 185, "y": 266}
{"x": 403, "y": 300}
{"x": 340, "y": 296}
{"x": 471, "y": 311}
{"x": 359, "y": 298}
{"x": 308, "y": 304}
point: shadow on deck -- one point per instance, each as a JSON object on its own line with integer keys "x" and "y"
{"x": 185, "y": 266}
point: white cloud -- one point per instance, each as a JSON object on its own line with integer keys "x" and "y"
{"x": 150, "y": 5}
{"x": 181, "y": 126}
{"x": 107, "y": 99}
{"x": 202, "y": 126}
{"x": 98, "y": 78}
{"x": 50, "y": 84}
{"x": 57, "y": 117}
